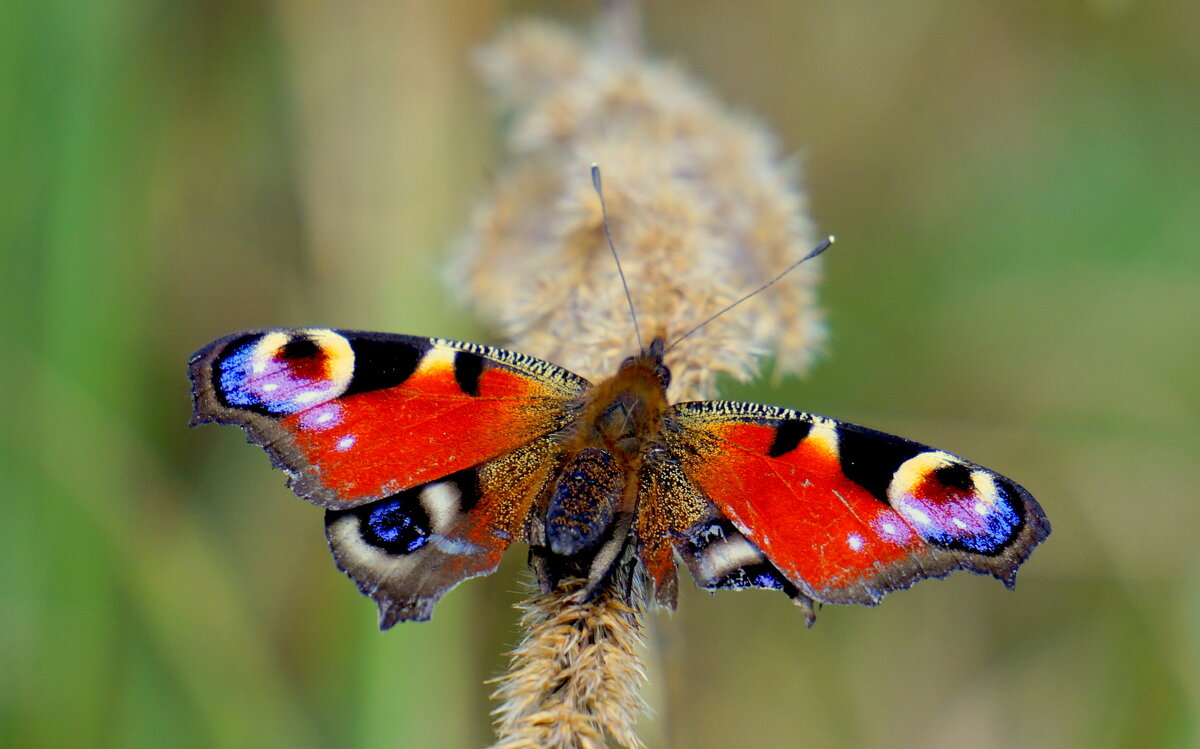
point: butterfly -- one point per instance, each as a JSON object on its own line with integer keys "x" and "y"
{"x": 433, "y": 456}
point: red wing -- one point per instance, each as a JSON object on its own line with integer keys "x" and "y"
{"x": 356, "y": 417}
{"x": 846, "y": 513}
{"x": 674, "y": 516}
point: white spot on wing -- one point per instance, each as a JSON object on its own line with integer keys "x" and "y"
{"x": 345, "y": 443}
{"x": 438, "y": 357}
{"x": 365, "y": 561}
{"x": 891, "y": 527}
{"x": 726, "y": 556}
{"x": 308, "y": 396}
{"x": 710, "y": 532}
{"x": 824, "y": 435}
{"x": 919, "y": 515}
{"x": 986, "y": 490}
{"x": 442, "y": 501}
{"x": 322, "y": 417}
{"x": 855, "y": 541}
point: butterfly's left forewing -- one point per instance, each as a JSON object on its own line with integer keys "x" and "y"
{"x": 846, "y": 513}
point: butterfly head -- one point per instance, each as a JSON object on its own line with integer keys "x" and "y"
{"x": 650, "y": 360}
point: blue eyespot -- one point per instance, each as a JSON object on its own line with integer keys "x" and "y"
{"x": 398, "y": 526}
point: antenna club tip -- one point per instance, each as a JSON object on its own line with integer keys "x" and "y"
{"x": 831, "y": 238}
{"x": 596, "y": 176}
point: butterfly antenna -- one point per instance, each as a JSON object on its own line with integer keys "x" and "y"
{"x": 608, "y": 235}
{"x": 816, "y": 251}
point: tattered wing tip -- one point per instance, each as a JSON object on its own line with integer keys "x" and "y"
{"x": 1008, "y": 577}
{"x": 391, "y": 612}
{"x": 808, "y": 606}
{"x": 667, "y": 594}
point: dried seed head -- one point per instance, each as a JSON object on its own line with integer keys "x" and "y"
{"x": 576, "y": 678}
{"x": 700, "y": 209}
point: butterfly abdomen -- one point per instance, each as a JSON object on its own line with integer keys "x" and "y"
{"x": 590, "y": 508}
{"x": 589, "y": 490}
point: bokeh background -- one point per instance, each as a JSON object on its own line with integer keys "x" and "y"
{"x": 1016, "y": 190}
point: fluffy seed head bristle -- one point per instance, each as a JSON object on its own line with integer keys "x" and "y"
{"x": 575, "y": 680}
{"x": 700, "y": 208}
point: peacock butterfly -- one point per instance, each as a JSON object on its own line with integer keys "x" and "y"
{"x": 433, "y": 456}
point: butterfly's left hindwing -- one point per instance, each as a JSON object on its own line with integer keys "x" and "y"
{"x": 846, "y": 513}
{"x": 407, "y": 550}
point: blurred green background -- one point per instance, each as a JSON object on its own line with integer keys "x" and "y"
{"x": 1016, "y": 190}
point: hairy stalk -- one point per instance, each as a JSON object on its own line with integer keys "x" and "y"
{"x": 575, "y": 680}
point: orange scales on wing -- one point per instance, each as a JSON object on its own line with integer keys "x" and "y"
{"x": 816, "y": 526}
{"x": 381, "y": 442}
